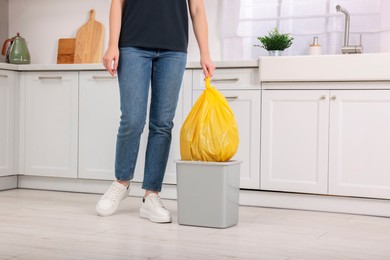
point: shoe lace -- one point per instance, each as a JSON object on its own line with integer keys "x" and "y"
{"x": 113, "y": 193}
{"x": 156, "y": 201}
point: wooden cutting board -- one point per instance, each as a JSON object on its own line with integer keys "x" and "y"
{"x": 89, "y": 41}
{"x": 66, "y": 48}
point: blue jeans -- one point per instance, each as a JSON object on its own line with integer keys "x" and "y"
{"x": 137, "y": 68}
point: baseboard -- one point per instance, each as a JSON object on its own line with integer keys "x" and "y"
{"x": 8, "y": 182}
{"x": 327, "y": 203}
{"x": 84, "y": 185}
{"x": 350, "y": 205}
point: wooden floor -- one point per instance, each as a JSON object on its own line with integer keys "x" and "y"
{"x": 57, "y": 225}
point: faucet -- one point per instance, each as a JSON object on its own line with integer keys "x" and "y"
{"x": 348, "y": 49}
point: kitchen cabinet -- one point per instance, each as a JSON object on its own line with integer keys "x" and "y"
{"x": 318, "y": 133}
{"x": 51, "y": 124}
{"x": 359, "y": 147}
{"x": 327, "y": 141}
{"x": 99, "y": 122}
{"x": 244, "y": 97}
{"x": 294, "y": 140}
{"x": 7, "y": 117}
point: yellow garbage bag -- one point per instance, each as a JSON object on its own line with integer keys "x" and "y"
{"x": 210, "y": 131}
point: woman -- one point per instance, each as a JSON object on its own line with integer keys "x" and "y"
{"x": 148, "y": 45}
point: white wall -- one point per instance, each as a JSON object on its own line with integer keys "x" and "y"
{"x": 43, "y": 22}
{"x": 385, "y": 39}
{"x": 3, "y": 24}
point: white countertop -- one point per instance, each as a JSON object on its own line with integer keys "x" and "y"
{"x": 356, "y": 67}
{"x": 83, "y": 67}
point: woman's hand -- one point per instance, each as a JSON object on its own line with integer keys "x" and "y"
{"x": 207, "y": 66}
{"x": 111, "y": 59}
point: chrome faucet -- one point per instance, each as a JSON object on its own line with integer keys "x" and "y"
{"x": 348, "y": 49}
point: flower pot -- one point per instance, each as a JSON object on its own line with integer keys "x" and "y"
{"x": 275, "y": 53}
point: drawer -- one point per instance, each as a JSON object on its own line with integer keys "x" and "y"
{"x": 247, "y": 78}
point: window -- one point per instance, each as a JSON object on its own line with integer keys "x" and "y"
{"x": 244, "y": 20}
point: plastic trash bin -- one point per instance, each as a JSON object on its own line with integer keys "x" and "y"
{"x": 208, "y": 193}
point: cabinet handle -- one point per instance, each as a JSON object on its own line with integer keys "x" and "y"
{"x": 104, "y": 77}
{"x": 333, "y": 98}
{"x": 322, "y": 97}
{"x": 55, "y": 77}
{"x": 225, "y": 80}
{"x": 3, "y": 76}
{"x": 232, "y": 98}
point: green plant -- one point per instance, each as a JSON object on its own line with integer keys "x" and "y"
{"x": 275, "y": 41}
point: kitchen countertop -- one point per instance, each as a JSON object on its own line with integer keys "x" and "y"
{"x": 325, "y": 68}
{"x": 86, "y": 67}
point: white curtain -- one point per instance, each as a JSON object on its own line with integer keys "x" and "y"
{"x": 242, "y": 21}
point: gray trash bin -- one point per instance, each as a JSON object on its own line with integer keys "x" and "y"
{"x": 208, "y": 193}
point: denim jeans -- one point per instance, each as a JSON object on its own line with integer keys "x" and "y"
{"x": 138, "y": 69}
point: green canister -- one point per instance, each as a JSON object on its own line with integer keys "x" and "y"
{"x": 16, "y": 51}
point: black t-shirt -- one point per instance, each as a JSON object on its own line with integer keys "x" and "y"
{"x": 159, "y": 24}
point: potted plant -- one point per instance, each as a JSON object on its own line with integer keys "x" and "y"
{"x": 275, "y": 42}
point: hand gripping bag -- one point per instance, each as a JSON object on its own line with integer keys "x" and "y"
{"x": 210, "y": 131}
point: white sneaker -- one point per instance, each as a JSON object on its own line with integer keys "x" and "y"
{"x": 109, "y": 202}
{"x": 154, "y": 210}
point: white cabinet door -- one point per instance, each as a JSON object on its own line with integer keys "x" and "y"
{"x": 51, "y": 124}
{"x": 294, "y": 140}
{"x": 99, "y": 116}
{"x": 7, "y": 85}
{"x": 360, "y": 143}
{"x": 245, "y": 105}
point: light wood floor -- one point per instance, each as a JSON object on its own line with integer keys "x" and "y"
{"x": 58, "y": 225}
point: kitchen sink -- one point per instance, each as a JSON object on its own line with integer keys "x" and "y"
{"x": 360, "y": 67}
